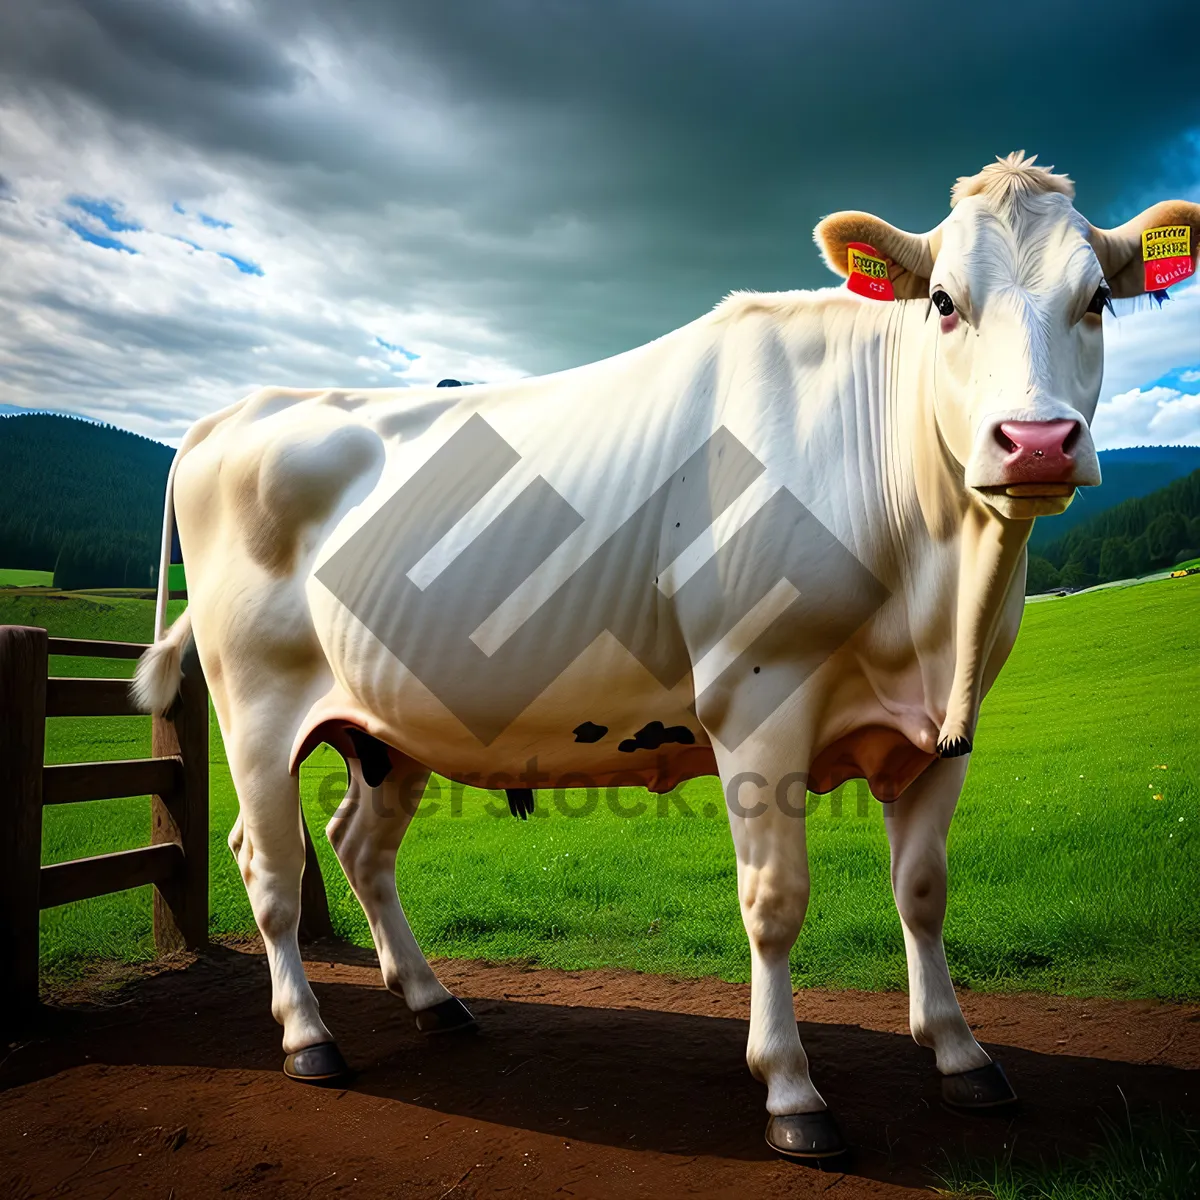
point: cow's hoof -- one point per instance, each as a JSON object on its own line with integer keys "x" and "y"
{"x": 808, "y": 1135}
{"x": 322, "y": 1063}
{"x": 954, "y": 747}
{"x": 450, "y": 1016}
{"x": 984, "y": 1088}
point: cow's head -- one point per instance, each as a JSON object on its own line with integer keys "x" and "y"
{"x": 1016, "y": 281}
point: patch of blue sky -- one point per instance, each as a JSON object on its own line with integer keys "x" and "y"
{"x": 105, "y": 212}
{"x": 203, "y": 217}
{"x": 186, "y": 241}
{"x": 243, "y": 264}
{"x": 1181, "y": 379}
{"x": 98, "y": 239}
{"x": 393, "y": 348}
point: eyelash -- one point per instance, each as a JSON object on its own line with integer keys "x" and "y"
{"x": 1102, "y": 300}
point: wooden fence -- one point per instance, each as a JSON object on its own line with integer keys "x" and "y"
{"x": 175, "y": 778}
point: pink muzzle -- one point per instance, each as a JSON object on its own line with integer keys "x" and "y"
{"x": 1038, "y": 451}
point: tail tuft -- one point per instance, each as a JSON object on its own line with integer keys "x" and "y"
{"x": 160, "y": 669}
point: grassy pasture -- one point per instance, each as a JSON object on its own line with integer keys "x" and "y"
{"x": 1143, "y": 1160}
{"x": 18, "y": 578}
{"x": 1074, "y": 856}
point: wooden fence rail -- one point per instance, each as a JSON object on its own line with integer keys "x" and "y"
{"x": 175, "y": 778}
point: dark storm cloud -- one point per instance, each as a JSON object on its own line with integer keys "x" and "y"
{"x": 76, "y": 43}
{"x": 586, "y": 177}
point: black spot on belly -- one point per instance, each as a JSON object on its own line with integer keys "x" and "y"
{"x": 373, "y": 755}
{"x": 653, "y": 735}
{"x": 589, "y": 731}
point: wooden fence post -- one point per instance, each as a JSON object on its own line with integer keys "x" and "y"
{"x": 23, "y": 669}
{"x": 181, "y": 906}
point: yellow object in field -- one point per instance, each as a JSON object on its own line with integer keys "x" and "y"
{"x": 1179, "y": 574}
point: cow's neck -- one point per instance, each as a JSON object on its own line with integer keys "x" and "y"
{"x": 912, "y": 506}
{"x": 872, "y": 396}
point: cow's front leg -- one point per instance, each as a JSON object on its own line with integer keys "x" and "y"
{"x": 917, "y": 824}
{"x": 365, "y": 833}
{"x": 766, "y": 815}
{"x": 991, "y": 550}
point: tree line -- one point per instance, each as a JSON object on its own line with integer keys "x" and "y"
{"x": 1137, "y": 536}
{"x": 82, "y": 500}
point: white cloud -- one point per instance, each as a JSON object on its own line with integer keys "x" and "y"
{"x": 1143, "y": 345}
{"x": 1139, "y": 348}
{"x": 1156, "y": 416}
{"x": 152, "y": 339}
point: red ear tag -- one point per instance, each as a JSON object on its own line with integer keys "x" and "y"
{"x": 868, "y": 272}
{"x": 1167, "y": 255}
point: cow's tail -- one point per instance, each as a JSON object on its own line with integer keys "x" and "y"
{"x": 160, "y": 669}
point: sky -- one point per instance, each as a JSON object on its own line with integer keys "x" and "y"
{"x": 197, "y": 199}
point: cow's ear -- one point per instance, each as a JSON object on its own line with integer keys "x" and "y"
{"x": 909, "y": 255}
{"x": 1120, "y": 250}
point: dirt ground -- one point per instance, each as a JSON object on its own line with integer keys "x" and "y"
{"x": 584, "y": 1084}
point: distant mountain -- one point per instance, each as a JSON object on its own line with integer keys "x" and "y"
{"x": 82, "y": 500}
{"x": 1128, "y": 473}
{"x": 16, "y": 410}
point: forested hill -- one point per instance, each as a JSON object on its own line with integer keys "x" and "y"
{"x": 82, "y": 500}
{"x": 1140, "y": 535}
{"x": 1132, "y": 471}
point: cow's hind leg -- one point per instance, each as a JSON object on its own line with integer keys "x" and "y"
{"x": 268, "y": 842}
{"x": 917, "y": 825}
{"x": 366, "y": 832}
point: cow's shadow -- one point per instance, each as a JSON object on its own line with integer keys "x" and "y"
{"x": 631, "y": 1078}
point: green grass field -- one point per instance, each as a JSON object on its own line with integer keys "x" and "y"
{"x": 1153, "y": 1158}
{"x": 26, "y": 578}
{"x": 1074, "y": 857}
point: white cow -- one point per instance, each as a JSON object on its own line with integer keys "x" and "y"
{"x": 784, "y": 544}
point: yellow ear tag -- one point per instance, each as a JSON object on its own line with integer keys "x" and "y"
{"x": 1167, "y": 255}
{"x": 868, "y": 273}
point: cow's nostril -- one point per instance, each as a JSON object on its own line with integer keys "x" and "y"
{"x": 1004, "y": 441}
{"x": 1038, "y": 439}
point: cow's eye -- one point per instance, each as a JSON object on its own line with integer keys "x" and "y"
{"x": 1101, "y": 300}
{"x": 943, "y": 303}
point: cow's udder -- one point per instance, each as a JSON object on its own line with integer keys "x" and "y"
{"x": 884, "y": 757}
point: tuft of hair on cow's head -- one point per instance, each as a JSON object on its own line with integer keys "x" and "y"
{"x": 1011, "y": 179}
{"x": 1016, "y": 283}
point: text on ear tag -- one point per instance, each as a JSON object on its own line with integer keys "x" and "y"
{"x": 1167, "y": 255}
{"x": 868, "y": 272}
